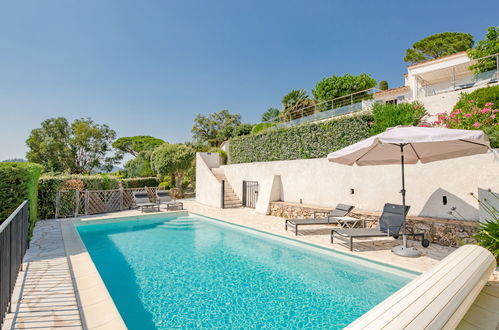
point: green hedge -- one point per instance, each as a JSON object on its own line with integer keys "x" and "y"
{"x": 140, "y": 182}
{"x": 50, "y": 184}
{"x": 18, "y": 182}
{"x": 480, "y": 96}
{"x": 300, "y": 142}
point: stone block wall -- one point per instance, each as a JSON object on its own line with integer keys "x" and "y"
{"x": 444, "y": 232}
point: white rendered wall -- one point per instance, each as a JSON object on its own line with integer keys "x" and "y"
{"x": 444, "y": 102}
{"x": 322, "y": 183}
{"x": 208, "y": 188}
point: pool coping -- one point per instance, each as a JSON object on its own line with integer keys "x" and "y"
{"x": 97, "y": 308}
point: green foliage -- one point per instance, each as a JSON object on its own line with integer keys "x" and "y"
{"x": 166, "y": 183}
{"x": 271, "y": 115}
{"x": 229, "y": 132}
{"x": 480, "y": 96}
{"x": 383, "y": 85}
{"x": 294, "y": 103}
{"x": 261, "y": 127}
{"x": 139, "y": 166}
{"x": 488, "y": 231}
{"x": 49, "y": 184}
{"x": 489, "y": 46}
{"x": 174, "y": 160}
{"x": 136, "y": 144}
{"x": 80, "y": 147}
{"x": 140, "y": 182}
{"x": 471, "y": 116}
{"x": 206, "y": 128}
{"x": 438, "y": 45}
{"x": 18, "y": 182}
{"x": 391, "y": 115}
{"x": 300, "y": 142}
{"x": 335, "y": 86}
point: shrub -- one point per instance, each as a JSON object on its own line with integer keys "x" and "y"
{"x": 300, "y": 142}
{"x": 18, "y": 182}
{"x": 50, "y": 184}
{"x": 258, "y": 128}
{"x": 391, "y": 115}
{"x": 470, "y": 116}
{"x": 140, "y": 182}
{"x": 488, "y": 231}
{"x": 480, "y": 96}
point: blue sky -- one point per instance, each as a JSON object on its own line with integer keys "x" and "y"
{"x": 148, "y": 67}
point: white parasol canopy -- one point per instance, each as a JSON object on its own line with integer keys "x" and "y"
{"x": 423, "y": 144}
{"x": 408, "y": 145}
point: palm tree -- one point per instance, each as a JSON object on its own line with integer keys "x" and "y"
{"x": 297, "y": 104}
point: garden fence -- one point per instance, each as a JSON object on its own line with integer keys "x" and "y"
{"x": 72, "y": 203}
{"x": 13, "y": 245}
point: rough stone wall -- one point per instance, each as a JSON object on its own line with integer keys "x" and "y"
{"x": 444, "y": 232}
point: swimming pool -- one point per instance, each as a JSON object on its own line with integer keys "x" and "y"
{"x": 189, "y": 271}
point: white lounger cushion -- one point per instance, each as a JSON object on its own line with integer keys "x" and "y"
{"x": 437, "y": 299}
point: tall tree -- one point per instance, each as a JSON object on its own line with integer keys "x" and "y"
{"x": 135, "y": 144}
{"x": 330, "y": 88}
{"x": 206, "y": 128}
{"x": 438, "y": 45}
{"x": 80, "y": 147}
{"x": 486, "y": 47}
{"x": 296, "y": 104}
{"x": 174, "y": 160}
{"x": 271, "y": 115}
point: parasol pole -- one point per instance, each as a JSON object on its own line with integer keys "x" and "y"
{"x": 404, "y": 236}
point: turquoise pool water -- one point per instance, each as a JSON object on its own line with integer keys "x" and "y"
{"x": 194, "y": 272}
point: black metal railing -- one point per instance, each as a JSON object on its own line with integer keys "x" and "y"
{"x": 13, "y": 246}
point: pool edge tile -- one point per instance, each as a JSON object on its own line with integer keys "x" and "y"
{"x": 96, "y": 311}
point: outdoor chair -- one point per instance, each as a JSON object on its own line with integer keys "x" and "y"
{"x": 389, "y": 225}
{"x": 163, "y": 197}
{"x": 142, "y": 201}
{"x": 337, "y": 216}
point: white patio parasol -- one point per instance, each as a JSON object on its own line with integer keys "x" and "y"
{"x": 408, "y": 145}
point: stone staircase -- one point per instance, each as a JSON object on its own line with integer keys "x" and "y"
{"x": 230, "y": 198}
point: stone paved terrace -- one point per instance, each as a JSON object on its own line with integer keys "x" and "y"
{"x": 45, "y": 295}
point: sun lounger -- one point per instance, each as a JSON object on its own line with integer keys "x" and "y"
{"x": 163, "y": 197}
{"x": 389, "y": 225}
{"x": 142, "y": 201}
{"x": 336, "y": 216}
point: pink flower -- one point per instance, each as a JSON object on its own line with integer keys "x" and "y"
{"x": 436, "y": 122}
{"x": 447, "y": 126}
{"x": 476, "y": 124}
{"x": 452, "y": 115}
{"x": 493, "y": 116}
{"x": 425, "y": 125}
{"x": 485, "y": 110}
{"x": 489, "y": 104}
{"x": 457, "y": 111}
{"x": 370, "y": 123}
{"x": 467, "y": 115}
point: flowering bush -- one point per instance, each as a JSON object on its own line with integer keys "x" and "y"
{"x": 471, "y": 116}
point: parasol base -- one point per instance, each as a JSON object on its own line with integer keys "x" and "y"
{"x": 405, "y": 251}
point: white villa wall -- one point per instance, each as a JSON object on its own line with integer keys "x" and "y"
{"x": 208, "y": 188}
{"x": 320, "y": 182}
{"x": 444, "y": 102}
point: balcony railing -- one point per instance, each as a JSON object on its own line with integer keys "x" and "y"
{"x": 477, "y": 80}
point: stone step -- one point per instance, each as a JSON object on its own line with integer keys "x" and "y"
{"x": 232, "y": 205}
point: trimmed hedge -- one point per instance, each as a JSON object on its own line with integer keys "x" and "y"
{"x": 140, "y": 182}
{"x": 50, "y": 184}
{"x": 19, "y": 181}
{"x": 315, "y": 140}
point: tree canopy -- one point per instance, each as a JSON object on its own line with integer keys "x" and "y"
{"x": 206, "y": 128}
{"x": 174, "y": 160}
{"x": 438, "y": 45}
{"x": 335, "y": 86}
{"x": 294, "y": 102}
{"x": 80, "y": 147}
{"x": 486, "y": 47}
{"x": 135, "y": 144}
{"x": 271, "y": 115}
